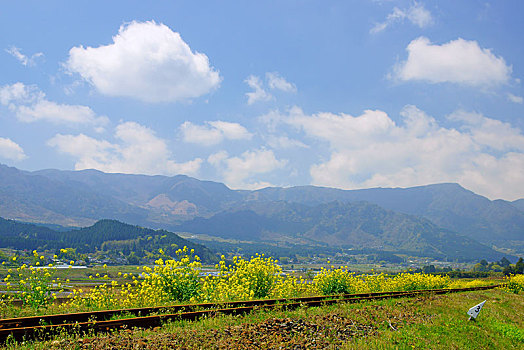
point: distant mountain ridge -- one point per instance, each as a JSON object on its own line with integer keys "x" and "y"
{"x": 447, "y": 205}
{"x": 80, "y": 198}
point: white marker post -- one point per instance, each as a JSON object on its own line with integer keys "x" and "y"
{"x": 475, "y": 310}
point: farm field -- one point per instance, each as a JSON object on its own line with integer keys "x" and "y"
{"x": 432, "y": 322}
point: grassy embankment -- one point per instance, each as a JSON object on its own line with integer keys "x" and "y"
{"x": 435, "y": 322}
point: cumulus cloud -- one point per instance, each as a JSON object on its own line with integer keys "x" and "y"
{"x": 213, "y": 132}
{"x": 458, "y": 61}
{"x": 29, "y": 104}
{"x": 417, "y": 14}
{"x": 372, "y": 150}
{"x": 274, "y": 81}
{"x": 137, "y": 150}
{"x": 146, "y": 61}
{"x": 489, "y": 132}
{"x": 23, "y": 59}
{"x": 11, "y": 150}
{"x": 515, "y": 98}
{"x": 258, "y": 93}
{"x": 238, "y": 172}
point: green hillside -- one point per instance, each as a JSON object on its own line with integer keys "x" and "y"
{"x": 104, "y": 236}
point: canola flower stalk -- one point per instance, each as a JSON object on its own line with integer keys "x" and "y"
{"x": 514, "y": 283}
{"x": 33, "y": 286}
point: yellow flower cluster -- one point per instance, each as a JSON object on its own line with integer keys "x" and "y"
{"x": 341, "y": 280}
{"x": 168, "y": 280}
{"x": 335, "y": 281}
{"x": 469, "y": 284}
{"x": 417, "y": 281}
{"x": 514, "y": 283}
{"x": 171, "y": 280}
{"x": 243, "y": 279}
{"x": 33, "y": 285}
{"x": 291, "y": 287}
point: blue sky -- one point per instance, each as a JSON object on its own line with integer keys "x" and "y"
{"x": 348, "y": 94}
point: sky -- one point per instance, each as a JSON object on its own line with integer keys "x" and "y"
{"x": 346, "y": 94}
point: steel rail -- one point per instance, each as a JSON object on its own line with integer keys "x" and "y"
{"x": 18, "y": 328}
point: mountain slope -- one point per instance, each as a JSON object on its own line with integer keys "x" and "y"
{"x": 30, "y": 197}
{"x": 165, "y": 198}
{"x": 357, "y": 225}
{"x": 447, "y": 205}
{"x": 519, "y": 204}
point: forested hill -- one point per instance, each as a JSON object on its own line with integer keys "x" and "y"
{"x": 353, "y": 225}
{"x": 105, "y": 235}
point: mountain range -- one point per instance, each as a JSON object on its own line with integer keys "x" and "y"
{"x": 440, "y": 219}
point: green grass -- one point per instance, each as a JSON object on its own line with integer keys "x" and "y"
{"x": 500, "y": 325}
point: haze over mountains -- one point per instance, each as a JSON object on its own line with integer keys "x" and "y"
{"x": 443, "y": 220}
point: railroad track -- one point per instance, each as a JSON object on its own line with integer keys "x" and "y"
{"x": 101, "y": 321}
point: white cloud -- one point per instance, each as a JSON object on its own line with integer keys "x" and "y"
{"x": 213, "y": 132}
{"x": 458, "y": 61}
{"x": 29, "y": 104}
{"x": 19, "y": 93}
{"x": 417, "y": 14}
{"x": 238, "y": 172}
{"x": 276, "y": 81}
{"x": 489, "y": 132}
{"x": 370, "y": 150}
{"x": 11, "y": 150}
{"x": 137, "y": 150}
{"x": 272, "y": 119}
{"x": 23, "y": 59}
{"x": 343, "y": 130}
{"x": 515, "y": 98}
{"x": 258, "y": 93}
{"x": 283, "y": 142}
{"x": 146, "y": 61}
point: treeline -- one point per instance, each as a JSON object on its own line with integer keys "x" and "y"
{"x": 480, "y": 270}
{"x": 504, "y": 266}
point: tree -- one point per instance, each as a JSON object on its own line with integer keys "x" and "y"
{"x": 479, "y": 267}
{"x": 496, "y": 268}
{"x": 519, "y": 266}
{"x": 133, "y": 259}
{"x": 504, "y": 262}
{"x": 508, "y": 270}
{"x": 429, "y": 269}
